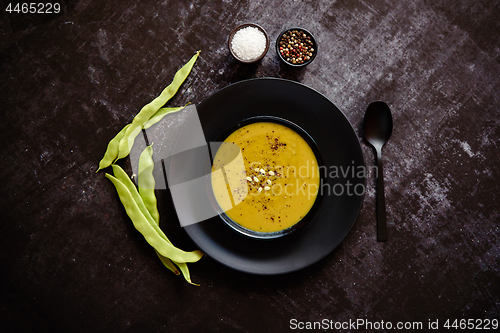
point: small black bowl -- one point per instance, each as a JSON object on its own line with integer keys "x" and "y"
{"x": 235, "y": 30}
{"x": 314, "y": 46}
{"x": 319, "y": 198}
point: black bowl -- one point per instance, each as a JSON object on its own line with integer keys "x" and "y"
{"x": 314, "y": 46}
{"x": 317, "y": 203}
{"x": 230, "y": 39}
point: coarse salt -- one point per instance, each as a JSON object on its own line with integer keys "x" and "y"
{"x": 248, "y": 43}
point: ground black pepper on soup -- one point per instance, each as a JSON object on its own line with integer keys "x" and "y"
{"x": 277, "y": 180}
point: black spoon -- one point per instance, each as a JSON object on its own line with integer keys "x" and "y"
{"x": 377, "y": 129}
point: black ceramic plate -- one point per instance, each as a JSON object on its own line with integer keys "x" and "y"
{"x": 340, "y": 151}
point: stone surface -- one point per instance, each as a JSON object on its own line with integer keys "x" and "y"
{"x": 70, "y": 259}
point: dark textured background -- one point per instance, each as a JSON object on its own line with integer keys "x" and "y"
{"x": 70, "y": 259}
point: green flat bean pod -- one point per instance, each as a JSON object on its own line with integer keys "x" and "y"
{"x": 150, "y": 109}
{"x": 146, "y": 182}
{"x": 122, "y": 176}
{"x": 185, "y": 272}
{"x": 146, "y": 191}
{"x": 160, "y": 114}
{"x": 151, "y": 234}
{"x": 112, "y": 151}
{"x": 129, "y": 136}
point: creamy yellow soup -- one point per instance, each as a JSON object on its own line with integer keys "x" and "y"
{"x": 265, "y": 177}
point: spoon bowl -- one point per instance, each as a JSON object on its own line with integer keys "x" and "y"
{"x": 377, "y": 129}
{"x": 377, "y": 125}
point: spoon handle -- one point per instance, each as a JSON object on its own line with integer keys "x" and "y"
{"x": 381, "y": 217}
